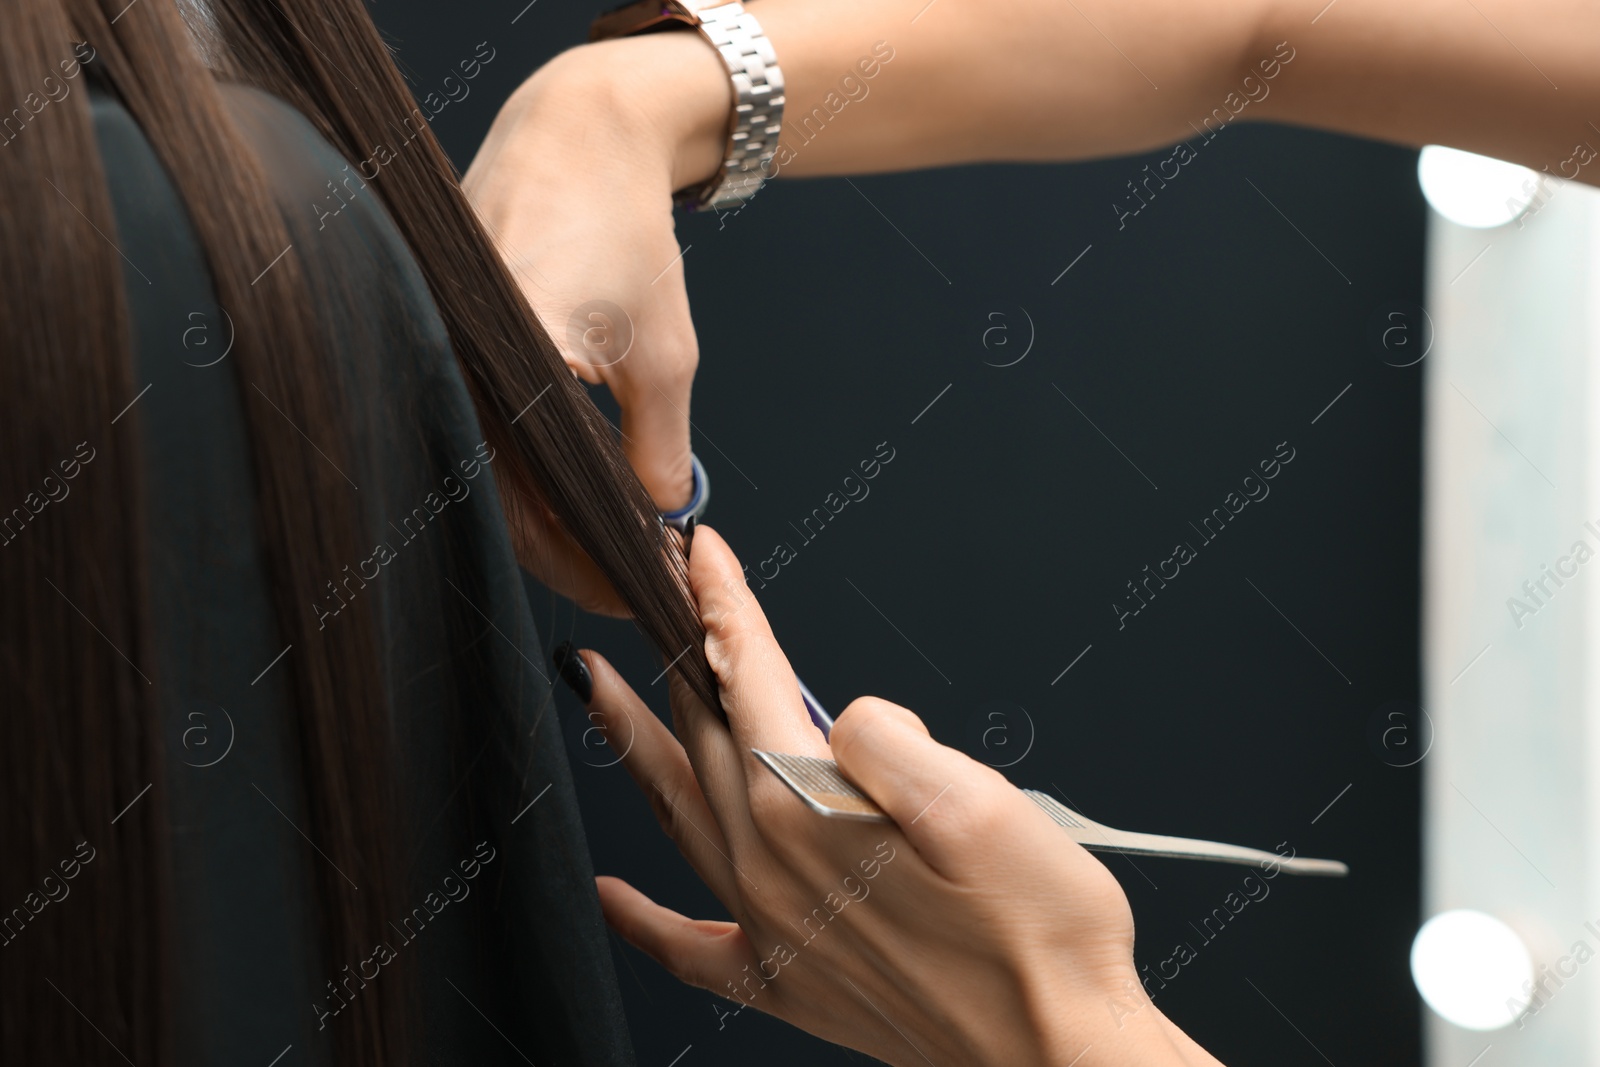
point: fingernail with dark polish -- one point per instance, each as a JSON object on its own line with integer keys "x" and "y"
{"x": 573, "y": 670}
{"x": 688, "y": 536}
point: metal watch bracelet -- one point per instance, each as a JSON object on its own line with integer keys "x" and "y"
{"x": 756, "y": 116}
{"x": 757, "y": 105}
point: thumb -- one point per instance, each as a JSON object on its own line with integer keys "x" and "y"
{"x": 655, "y": 438}
{"x": 701, "y": 952}
{"x": 955, "y": 811}
{"x": 649, "y": 365}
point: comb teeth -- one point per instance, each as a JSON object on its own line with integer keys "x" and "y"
{"x": 819, "y": 783}
{"x": 1062, "y": 815}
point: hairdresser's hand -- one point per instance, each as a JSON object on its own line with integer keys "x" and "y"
{"x": 971, "y": 931}
{"x": 575, "y": 184}
{"x": 576, "y": 174}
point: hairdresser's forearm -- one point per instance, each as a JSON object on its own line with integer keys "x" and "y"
{"x": 902, "y": 84}
{"x": 999, "y": 80}
{"x": 1038, "y": 79}
{"x": 1514, "y": 79}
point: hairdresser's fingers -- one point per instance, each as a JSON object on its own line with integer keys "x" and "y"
{"x": 646, "y": 354}
{"x": 658, "y": 764}
{"x": 653, "y": 388}
{"x": 759, "y": 692}
{"x": 954, "y": 810}
{"x": 719, "y": 767}
{"x": 655, "y": 438}
{"x": 544, "y": 548}
{"x": 701, "y": 952}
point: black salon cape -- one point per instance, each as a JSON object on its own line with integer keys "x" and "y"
{"x": 518, "y": 969}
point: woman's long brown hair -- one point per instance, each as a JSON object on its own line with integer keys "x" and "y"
{"x": 81, "y": 725}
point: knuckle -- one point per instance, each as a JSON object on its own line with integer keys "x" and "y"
{"x": 721, "y": 624}
{"x": 679, "y": 963}
{"x": 679, "y": 355}
{"x": 668, "y": 809}
{"x": 860, "y": 722}
{"x": 730, "y": 599}
{"x": 771, "y": 805}
{"x": 868, "y": 709}
{"x": 985, "y": 814}
{"x": 730, "y": 630}
{"x": 664, "y": 812}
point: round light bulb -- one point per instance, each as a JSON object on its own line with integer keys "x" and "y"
{"x": 1472, "y": 969}
{"x": 1473, "y": 190}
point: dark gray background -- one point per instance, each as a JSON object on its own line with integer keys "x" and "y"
{"x": 1196, "y": 339}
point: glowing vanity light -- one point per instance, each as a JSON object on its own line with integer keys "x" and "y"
{"x": 1472, "y": 969}
{"x": 1474, "y": 190}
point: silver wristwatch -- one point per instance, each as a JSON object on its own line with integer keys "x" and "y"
{"x": 756, "y": 118}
